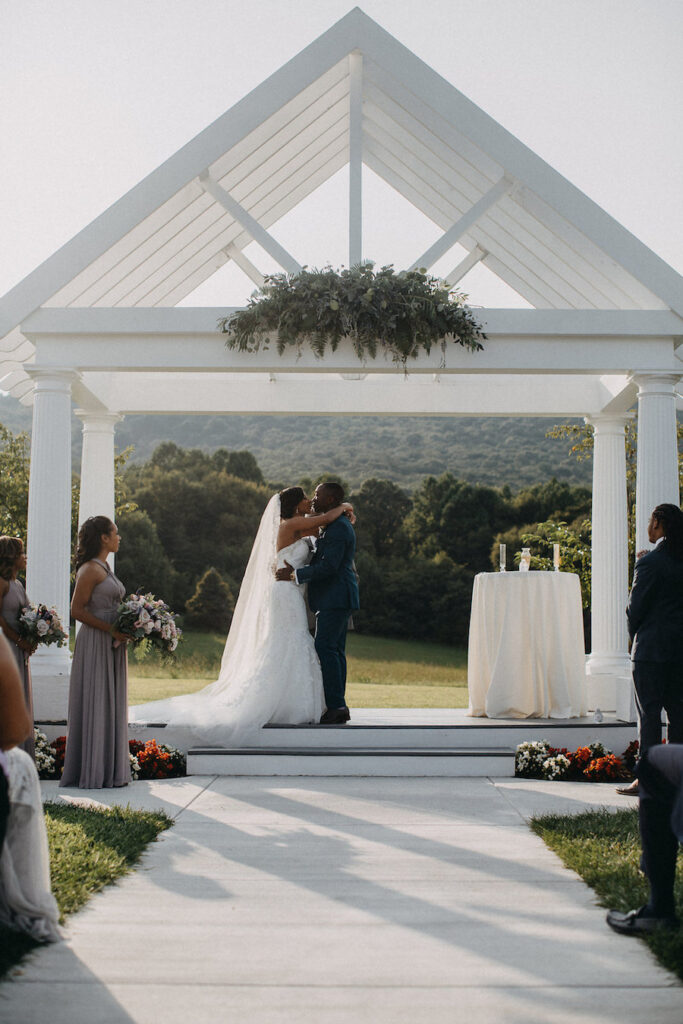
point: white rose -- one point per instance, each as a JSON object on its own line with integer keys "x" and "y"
{"x": 41, "y": 627}
{"x": 143, "y": 616}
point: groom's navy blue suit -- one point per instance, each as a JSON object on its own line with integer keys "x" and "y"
{"x": 332, "y": 595}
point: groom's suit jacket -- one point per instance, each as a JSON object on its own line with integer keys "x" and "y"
{"x": 332, "y": 580}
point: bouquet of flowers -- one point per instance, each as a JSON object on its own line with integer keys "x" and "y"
{"x": 41, "y": 625}
{"x": 148, "y": 622}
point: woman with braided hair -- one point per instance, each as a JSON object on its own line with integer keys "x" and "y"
{"x": 655, "y": 625}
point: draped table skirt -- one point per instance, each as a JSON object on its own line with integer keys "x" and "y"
{"x": 526, "y": 648}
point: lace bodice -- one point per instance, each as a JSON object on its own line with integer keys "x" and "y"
{"x": 297, "y": 554}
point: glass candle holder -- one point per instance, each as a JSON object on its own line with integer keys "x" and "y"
{"x": 502, "y": 557}
{"x": 525, "y": 560}
{"x": 556, "y": 557}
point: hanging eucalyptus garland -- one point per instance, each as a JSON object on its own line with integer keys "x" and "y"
{"x": 399, "y": 313}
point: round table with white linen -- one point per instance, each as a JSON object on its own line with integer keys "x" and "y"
{"x": 526, "y": 649}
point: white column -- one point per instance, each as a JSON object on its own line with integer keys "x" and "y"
{"x": 49, "y": 530}
{"x": 657, "y": 458}
{"x": 609, "y": 554}
{"x": 607, "y": 666}
{"x": 97, "y": 464}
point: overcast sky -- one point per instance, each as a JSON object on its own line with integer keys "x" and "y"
{"x": 94, "y": 94}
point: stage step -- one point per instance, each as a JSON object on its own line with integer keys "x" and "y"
{"x": 378, "y": 761}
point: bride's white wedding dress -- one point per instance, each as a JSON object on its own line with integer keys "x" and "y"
{"x": 270, "y": 673}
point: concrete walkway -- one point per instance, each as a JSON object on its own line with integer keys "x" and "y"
{"x": 346, "y": 900}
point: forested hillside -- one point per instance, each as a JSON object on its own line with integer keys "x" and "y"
{"x": 486, "y": 450}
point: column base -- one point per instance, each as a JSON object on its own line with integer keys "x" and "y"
{"x": 601, "y": 692}
{"x": 610, "y": 663}
{"x": 626, "y": 700}
{"x": 50, "y": 669}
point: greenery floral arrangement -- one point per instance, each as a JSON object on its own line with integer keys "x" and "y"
{"x": 399, "y": 313}
{"x": 593, "y": 763}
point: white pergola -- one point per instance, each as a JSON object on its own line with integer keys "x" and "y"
{"x": 97, "y": 324}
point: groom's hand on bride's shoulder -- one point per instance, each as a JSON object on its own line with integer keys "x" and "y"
{"x": 284, "y": 574}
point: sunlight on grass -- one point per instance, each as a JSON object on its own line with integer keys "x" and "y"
{"x": 381, "y": 672}
{"x": 603, "y": 847}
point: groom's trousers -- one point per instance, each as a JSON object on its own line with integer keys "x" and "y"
{"x": 330, "y": 643}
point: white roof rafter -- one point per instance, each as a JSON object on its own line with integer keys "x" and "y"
{"x": 354, "y": 96}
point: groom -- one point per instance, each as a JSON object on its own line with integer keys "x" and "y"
{"x": 332, "y": 595}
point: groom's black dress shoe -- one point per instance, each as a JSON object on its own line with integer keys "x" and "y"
{"x": 637, "y": 923}
{"x": 336, "y": 716}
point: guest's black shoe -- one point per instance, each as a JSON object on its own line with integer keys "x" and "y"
{"x": 336, "y": 716}
{"x": 636, "y": 922}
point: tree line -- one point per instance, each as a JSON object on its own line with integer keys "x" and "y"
{"x": 185, "y": 512}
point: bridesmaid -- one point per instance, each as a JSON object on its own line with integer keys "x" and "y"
{"x": 97, "y": 730}
{"x": 12, "y": 599}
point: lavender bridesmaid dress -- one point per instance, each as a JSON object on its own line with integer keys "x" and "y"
{"x": 16, "y": 599}
{"x": 97, "y": 730}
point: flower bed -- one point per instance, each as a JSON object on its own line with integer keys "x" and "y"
{"x": 147, "y": 760}
{"x": 594, "y": 763}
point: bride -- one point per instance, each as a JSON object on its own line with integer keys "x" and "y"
{"x": 270, "y": 671}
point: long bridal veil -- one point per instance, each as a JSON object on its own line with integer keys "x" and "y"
{"x": 237, "y": 702}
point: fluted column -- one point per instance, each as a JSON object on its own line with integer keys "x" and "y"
{"x": 49, "y": 529}
{"x": 657, "y": 457}
{"x": 609, "y": 556}
{"x": 97, "y": 465}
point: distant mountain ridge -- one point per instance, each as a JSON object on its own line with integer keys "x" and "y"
{"x": 488, "y": 450}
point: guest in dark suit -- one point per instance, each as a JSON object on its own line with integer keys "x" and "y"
{"x": 655, "y": 624}
{"x": 660, "y": 814}
{"x": 332, "y": 595}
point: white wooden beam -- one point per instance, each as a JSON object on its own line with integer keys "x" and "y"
{"x": 355, "y": 158}
{"x": 245, "y": 264}
{"x": 250, "y": 224}
{"x": 463, "y": 225}
{"x": 198, "y": 320}
{"x": 385, "y": 395}
{"x": 465, "y": 265}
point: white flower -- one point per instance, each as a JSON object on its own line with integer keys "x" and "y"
{"x": 42, "y": 627}
{"x": 143, "y": 617}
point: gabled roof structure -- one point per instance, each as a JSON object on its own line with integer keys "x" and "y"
{"x": 355, "y": 95}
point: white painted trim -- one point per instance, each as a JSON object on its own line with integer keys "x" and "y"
{"x": 463, "y": 225}
{"x": 465, "y": 265}
{"x": 167, "y": 320}
{"x": 244, "y": 263}
{"x": 355, "y": 158}
{"x": 250, "y": 224}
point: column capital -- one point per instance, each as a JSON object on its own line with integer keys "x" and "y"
{"x": 656, "y": 382}
{"x": 609, "y": 423}
{"x": 53, "y": 378}
{"x": 99, "y": 419}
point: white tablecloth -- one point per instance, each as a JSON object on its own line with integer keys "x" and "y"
{"x": 526, "y": 650}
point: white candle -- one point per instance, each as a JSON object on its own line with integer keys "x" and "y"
{"x": 502, "y": 557}
{"x": 556, "y": 557}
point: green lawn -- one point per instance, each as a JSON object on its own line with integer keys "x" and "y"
{"x": 604, "y": 849}
{"x": 89, "y": 848}
{"x": 381, "y": 673}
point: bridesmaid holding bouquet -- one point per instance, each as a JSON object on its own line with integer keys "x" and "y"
{"x": 12, "y": 599}
{"x": 97, "y": 753}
